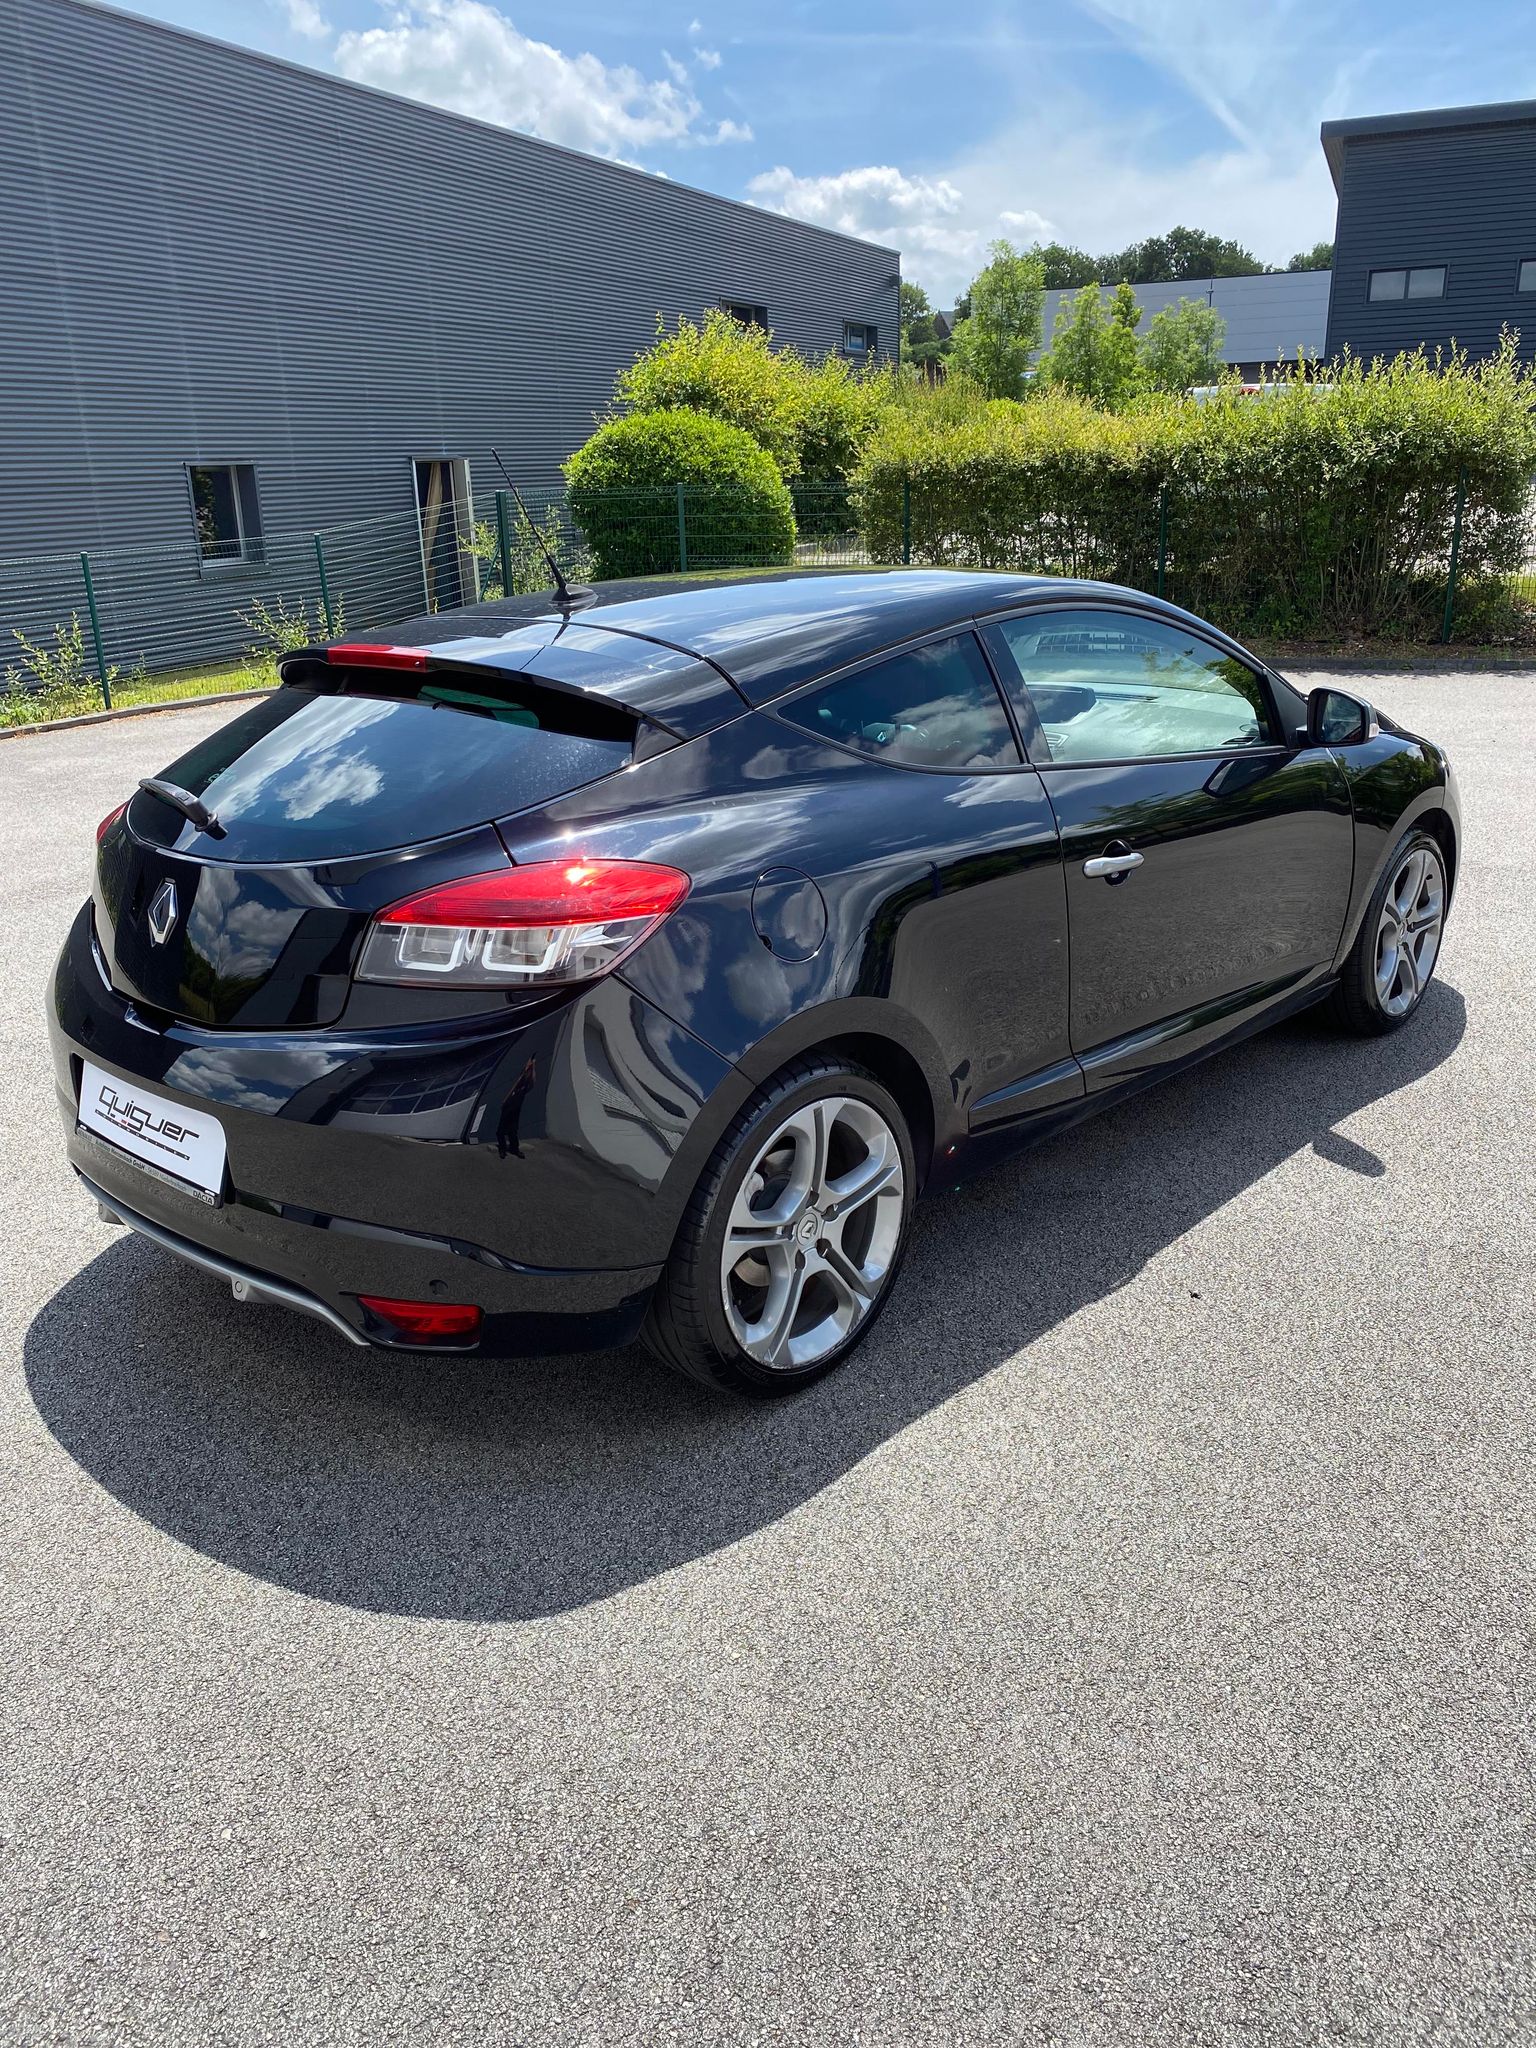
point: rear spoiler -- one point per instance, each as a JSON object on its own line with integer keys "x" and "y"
{"x": 482, "y": 685}
{"x": 670, "y": 688}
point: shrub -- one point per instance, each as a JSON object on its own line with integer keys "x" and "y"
{"x": 723, "y": 368}
{"x": 621, "y": 480}
{"x": 1326, "y": 506}
{"x": 1053, "y": 485}
{"x": 527, "y": 539}
{"x": 812, "y": 418}
{"x": 280, "y": 631}
{"x": 53, "y": 682}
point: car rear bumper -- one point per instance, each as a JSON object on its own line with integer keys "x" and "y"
{"x": 535, "y": 1169}
{"x": 322, "y": 1269}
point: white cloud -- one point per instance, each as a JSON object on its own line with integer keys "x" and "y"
{"x": 305, "y": 19}
{"x": 928, "y": 219}
{"x": 710, "y": 59}
{"x": 467, "y": 55}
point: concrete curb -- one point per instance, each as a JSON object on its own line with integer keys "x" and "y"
{"x": 21, "y": 732}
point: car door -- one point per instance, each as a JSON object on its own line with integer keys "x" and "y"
{"x": 1208, "y": 860}
{"x": 938, "y": 852}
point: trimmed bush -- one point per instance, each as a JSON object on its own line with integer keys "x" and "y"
{"x": 1326, "y": 506}
{"x": 813, "y": 418}
{"x": 724, "y": 368}
{"x": 738, "y": 501}
{"x": 1051, "y": 486}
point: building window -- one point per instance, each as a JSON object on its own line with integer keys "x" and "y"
{"x": 748, "y": 314}
{"x": 1427, "y": 282}
{"x": 1526, "y": 281}
{"x": 859, "y": 340}
{"x": 225, "y": 513}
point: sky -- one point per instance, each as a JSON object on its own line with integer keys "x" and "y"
{"x": 936, "y": 128}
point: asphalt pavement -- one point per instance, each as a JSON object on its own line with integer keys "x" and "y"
{"x": 1135, "y": 1645}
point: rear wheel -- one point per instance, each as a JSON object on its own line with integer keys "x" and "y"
{"x": 793, "y": 1236}
{"x": 1395, "y": 951}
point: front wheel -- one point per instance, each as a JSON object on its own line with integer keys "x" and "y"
{"x": 1395, "y": 950}
{"x": 793, "y": 1236}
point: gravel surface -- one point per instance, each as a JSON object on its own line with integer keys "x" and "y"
{"x": 1134, "y": 1646}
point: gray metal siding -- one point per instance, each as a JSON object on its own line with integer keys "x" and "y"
{"x": 213, "y": 256}
{"x": 1462, "y": 197}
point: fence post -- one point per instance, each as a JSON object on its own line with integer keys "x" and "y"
{"x": 101, "y": 653}
{"x": 1162, "y": 539}
{"x": 1450, "y": 581}
{"x": 682, "y": 532}
{"x": 906, "y": 520}
{"x": 325, "y": 590}
{"x": 504, "y": 543}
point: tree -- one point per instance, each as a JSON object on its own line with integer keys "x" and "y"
{"x": 994, "y": 343}
{"x": 920, "y": 343}
{"x": 1182, "y": 346}
{"x": 1318, "y": 257}
{"x": 1066, "y": 268}
{"x": 1093, "y": 351}
{"x": 1180, "y": 254}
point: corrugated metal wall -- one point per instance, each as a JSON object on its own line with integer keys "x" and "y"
{"x": 1464, "y": 197}
{"x": 211, "y": 256}
{"x": 1270, "y": 316}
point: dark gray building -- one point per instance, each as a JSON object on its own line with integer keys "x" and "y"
{"x": 240, "y": 300}
{"x": 1436, "y": 237}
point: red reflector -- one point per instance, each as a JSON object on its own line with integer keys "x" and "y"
{"x": 108, "y": 822}
{"x": 547, "y": 892}
{"x": 364, "y": 654}
{"x": 422, "y": 1321}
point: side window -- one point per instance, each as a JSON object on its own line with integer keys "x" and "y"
{"x": 1108, "y": 686}
{"x": 225, "y": 514}
{"x": 932, "y": 707}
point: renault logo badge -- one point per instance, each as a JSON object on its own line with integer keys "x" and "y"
{"x": 162, "y": 913}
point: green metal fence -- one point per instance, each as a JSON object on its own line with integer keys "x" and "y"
{"x": 112, "y": 626}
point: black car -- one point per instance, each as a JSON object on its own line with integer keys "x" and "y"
{"x": 541, "y": 978}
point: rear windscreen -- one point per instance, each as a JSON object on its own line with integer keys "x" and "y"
{"x": 385, "y": 760}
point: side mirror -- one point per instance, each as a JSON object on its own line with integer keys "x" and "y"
{"x": 1335, "y": 719}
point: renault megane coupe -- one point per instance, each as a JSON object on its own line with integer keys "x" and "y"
{"x": 539, "y": 977}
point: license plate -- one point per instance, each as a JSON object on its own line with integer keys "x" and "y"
{"x": 185, "y": 1146}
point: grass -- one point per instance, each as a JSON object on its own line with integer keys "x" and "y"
{"x": 71, "y": 697}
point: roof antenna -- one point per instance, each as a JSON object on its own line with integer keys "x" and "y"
{"x": 569, "y": 597}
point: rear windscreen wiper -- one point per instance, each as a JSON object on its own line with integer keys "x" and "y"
{"x": 183, "y": 800}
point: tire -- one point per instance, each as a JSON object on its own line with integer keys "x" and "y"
{"x": 810, "y": 1191}
{"x": 1383, "y": 979}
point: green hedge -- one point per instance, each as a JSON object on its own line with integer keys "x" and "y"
{"x": 736, "y": 498}
{"x": 1325, "y": 506}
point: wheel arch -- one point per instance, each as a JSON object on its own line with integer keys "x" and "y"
{"x": 1443, "y": 826}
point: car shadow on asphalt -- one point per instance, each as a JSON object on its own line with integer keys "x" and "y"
{"x": 503, "y": 1490}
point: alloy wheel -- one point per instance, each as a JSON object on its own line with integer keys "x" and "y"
{"x": 1408, "y": 934}
{"x": 813, "y": 1232}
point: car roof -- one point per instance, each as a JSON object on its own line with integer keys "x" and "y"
{"x": 765, "y": 632}
{"x": 769, "y": 633}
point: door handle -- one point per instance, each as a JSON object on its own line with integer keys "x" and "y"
{"x": 1113, "y": 867}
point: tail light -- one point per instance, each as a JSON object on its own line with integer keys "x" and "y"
{"x": 370, "y": 654}
{"x": 424, "y": 1322}
{"x": 552, "y": 921}
{"x": 108, "y": 822}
